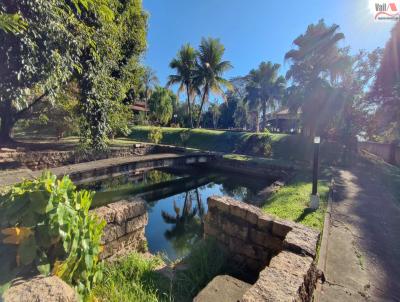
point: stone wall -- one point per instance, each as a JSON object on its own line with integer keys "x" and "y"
{"x": 280, "y": 251}
{"x": 124, "y": 232}
{"x": 388, "y": 152}
{"x": 38, "y": 160}
{"x": 269, "y": 171}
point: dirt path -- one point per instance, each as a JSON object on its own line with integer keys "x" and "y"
{"x": 363, "y": 252}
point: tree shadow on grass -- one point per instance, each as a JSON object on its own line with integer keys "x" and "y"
{"x": 304, "y": 214}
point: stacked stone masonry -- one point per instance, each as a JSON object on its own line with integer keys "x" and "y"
{"x": 124, "y": 231}
{"x": 50, "y": 159}
{"x": 282, "y": 252}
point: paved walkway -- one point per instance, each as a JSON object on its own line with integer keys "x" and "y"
{"x": 363, "y": 251}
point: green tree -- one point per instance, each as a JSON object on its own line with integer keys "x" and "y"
{"x": 228, "y": 108}
{"x": 215, "y": 113}
{"x": 38, "y": 57}
{"x": 210, "y": 69}
{"x": 241, "y": 115}
{"x": 150, "y": 81}
{"x": 317, "y": 64}
{"x": 267, "y": 86}
{"x": 385, "y": 92}
{"x": 161, "y": 105}
{"x": 184, "y": 64}
{"x": 109, "y": 74}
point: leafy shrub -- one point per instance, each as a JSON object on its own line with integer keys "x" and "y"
{"x": 184, "y": 136}
{"x": 48, "y": 222}
{"x": 155, "y": 135}
{"x": 259, "y": 145}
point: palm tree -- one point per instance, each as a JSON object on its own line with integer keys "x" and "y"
{"x": 317, "y": 64}
{"x": 253, "y": 99}
{"x": 266, "y": 86}
{"x": 150, "y": 80}
{"x": 209, "y": 70}
{"x": 184, "y": 63}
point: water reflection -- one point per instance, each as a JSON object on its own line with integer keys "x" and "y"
{"x": 177, "y": 202}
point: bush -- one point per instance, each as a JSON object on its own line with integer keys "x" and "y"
{"x": 155, "y": 135}
{"x": 258, "y": 145}
{"x": 48, "y": 223}
{"x": 184, "y": 136}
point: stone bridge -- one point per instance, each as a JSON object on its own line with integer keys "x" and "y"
{"x": 111, "y": 167}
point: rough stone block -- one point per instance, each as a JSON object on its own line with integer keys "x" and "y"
{"x": 119, "y": 246}
{"x": 302, "y": 240}
{"x": 287, "y": 278}
{"x": 40, "y": 289}
{"x": 265, "y": 222}
{"x": 281, "y": 227}
{"x": 221, "y": 203}
{"x": 127, "y": 209}
{"x": 237, "y": 246}
{"x": 235, "y": 230}
{"x": 223, "y": 289}
{"x": 238, "y": 210}
{"x": 136, "y": 223}
{"x": 210, "y": 230}
{"x": 266, "y": 240}
{"x": 106, "y": 213}
{"x": 113, "y": 231}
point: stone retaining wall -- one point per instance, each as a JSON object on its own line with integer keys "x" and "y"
{"x": 252, "y": 168}
{"x": 280, "y": 251}
{"x": 124, "y": 232}
{"x": 38, "y": 160}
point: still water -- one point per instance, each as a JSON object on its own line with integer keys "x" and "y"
{"x": 177, "y": 202}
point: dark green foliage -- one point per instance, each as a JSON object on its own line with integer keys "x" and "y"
{"x": 48, "y": 221}
{"x": 257, "y": 145}
{"x": 161, "y": 105}
{"x": 110, "y": 73}
{"x": 36, "y": 61}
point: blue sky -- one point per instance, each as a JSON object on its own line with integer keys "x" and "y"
{"x": 253, "y": 30}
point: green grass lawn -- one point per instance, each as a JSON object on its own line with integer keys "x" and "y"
{"x": 292, "y": 201}
{"x": 203, "y": 139}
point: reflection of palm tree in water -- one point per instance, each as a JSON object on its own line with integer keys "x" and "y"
{"x": 187, "y": 228}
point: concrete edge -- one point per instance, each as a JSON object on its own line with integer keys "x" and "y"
{"x": 321, "y": 265}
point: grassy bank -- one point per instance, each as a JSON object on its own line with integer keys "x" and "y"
{"x": 284, "y": 147}
{"x": 203, "y": 139}
{"x": 292, "y": 201}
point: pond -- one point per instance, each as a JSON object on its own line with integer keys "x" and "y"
{"x": 177, "y": 202}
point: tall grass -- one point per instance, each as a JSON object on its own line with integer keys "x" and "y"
{"x": 205, "y": 262}
{"x": 135, "y": 278}
{"x": 132, "y": 278}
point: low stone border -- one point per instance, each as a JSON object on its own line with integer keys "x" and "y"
{"x": 281, "y": 251}
{"x": 323, "y": 250}
{"x": 125, "y": 228}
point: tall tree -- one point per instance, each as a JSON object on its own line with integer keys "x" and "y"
{"x": 210, "y": 69}
{"x": 109, "y": 74}
{"x": 317, "y": 63}
{"x": 35, "y": 60}
{"x": 385, "y": 93}
{"x": 267, "y": 85}
{"x": 184, "y": 64}
{"x": 150, "y": 81}
{"x": 161, "y": 105}
{"x": 215, "y": 113}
